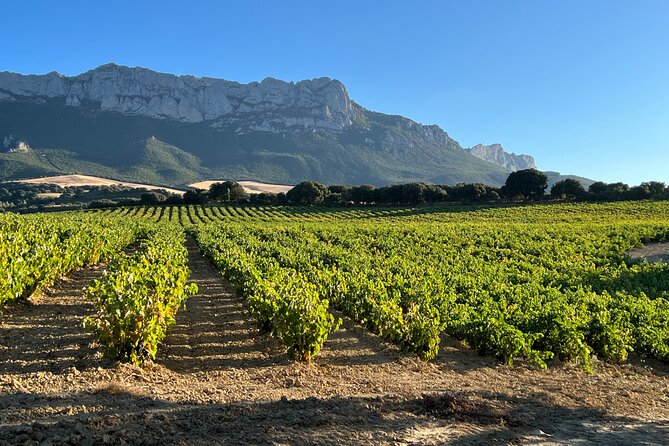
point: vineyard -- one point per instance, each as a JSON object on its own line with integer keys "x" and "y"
{"x": 534, "y": 283}
{"x": 521, "y": 282}
{"x": 203, "y": 311}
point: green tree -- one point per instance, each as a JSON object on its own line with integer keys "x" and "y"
{"x": 365, "y": 193}
{"x": 343, "y": 190}
{"x": 308, "y": 192}
{"x": 598, "y": 187}
{"x": 651, "y": 189}
{"x": 413, "y": 193}
{"x": 435, "y": 194}
{"x": 567, "y": 189}
{"x": 226, "y": 191}
{"x": 195, "y": 197}
{"x": 152, "y": 198}
{"x": 530, "y": 183}
{"x": 472, "y": 192}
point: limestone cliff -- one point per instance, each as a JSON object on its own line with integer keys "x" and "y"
{"x": 321, "y": 102}
{"x": 496, "y": 154}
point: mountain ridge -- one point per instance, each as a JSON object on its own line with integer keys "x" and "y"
{"x": 99, "y": 123}
{"x": 141, "y": 91}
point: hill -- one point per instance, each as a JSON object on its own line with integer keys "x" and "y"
{"x": 137, "y": 125}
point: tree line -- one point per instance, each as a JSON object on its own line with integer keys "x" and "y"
{"x": 520, "y": 186}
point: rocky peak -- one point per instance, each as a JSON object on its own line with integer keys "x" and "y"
{"x": 496, "y": 154}
{"x": 18, "y": 147}
{"x": 324, "y": 102}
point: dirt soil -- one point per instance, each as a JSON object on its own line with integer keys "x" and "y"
{"x": 251, "y": 187}
{"x": 218, "y": 381}
{"x": 88, "y": 180}
{"x": 654, "y": 252}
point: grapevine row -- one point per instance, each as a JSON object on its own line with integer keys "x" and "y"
{"x": 138, "y": 296}
{"x": 36, "y": 250}
{"x": 511, "y": 291}
{"x": 283, "y": 301}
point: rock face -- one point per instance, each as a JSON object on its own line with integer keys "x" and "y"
{"x": 319, "y": 102}
{"x": 12, "y": 145}
{"x": 21, "y": 147}
{"x": 496, "y": 154}
{"x": 274, "y": 131}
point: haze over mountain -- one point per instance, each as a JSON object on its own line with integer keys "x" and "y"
{"x": 496, "y": 154}
{"x": 139, "y": 125}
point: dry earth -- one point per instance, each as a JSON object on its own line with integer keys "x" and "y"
{"x": 87, "y": 180}
{"x": 251, "y": 187}
{"x": 653, "y": 252}
{"x": 218, "y": 381}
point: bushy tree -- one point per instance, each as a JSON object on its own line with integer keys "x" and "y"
{"x": 263, "y": 198}
{"x": 152, "y": 198}
{"x": 195, "y": 197}
{"x": 530, "y": 183}
{"x": 598, "y": 187}
{"x": 334, "y": 198}
{"x": 472, "y": 192}
{"x": 226, "y": 191}
{"x": 600, "y": 191}
{"x": 567, "y": 189}
{"x": 491, "y": 195}
{"x": 342, "y": 190}
{"x": 657, "y": 189}
{"x": 435, "y": 194}
{"x": 308, "y": 192}
{"x": 364, "y": 194}
{"x": 390, "y": 194}
{"x": 104, "y": 203}
{"x": 174, "y": 199}
{"x": 413, "y": 193}
{"x": 651, "y": 189}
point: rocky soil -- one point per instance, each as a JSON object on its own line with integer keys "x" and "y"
{"x": 218, "y": 381}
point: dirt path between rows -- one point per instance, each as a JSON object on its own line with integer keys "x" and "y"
{"x": 218, "y": 381}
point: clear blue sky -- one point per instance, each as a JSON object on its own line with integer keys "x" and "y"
{"x": 583, "y": 86}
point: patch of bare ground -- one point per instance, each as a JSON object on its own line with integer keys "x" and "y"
{"x": 653, "y": 252}
{"x": 250, "y": 187}
{"x": 218, "y": 381}
{"x": 88, "y": 180}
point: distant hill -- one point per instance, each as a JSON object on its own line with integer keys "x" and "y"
{"x": 554, "y": 177}
{"x": 137, "y": 125}
{"x": 87, "y": 180}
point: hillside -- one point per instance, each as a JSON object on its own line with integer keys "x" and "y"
{"x": 134, "y": 124}
{"x": 137, "y": 125}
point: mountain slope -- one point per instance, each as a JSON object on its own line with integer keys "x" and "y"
{"x": 138, "y": 125}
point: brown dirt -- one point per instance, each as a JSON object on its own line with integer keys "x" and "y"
{"x": 251, "y": 187}
{"x": 653, "y": 252}
{"x": 88, "y": 180}
{"x": 218, "y": 381}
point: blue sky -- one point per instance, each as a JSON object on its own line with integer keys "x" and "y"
{"x": 583, "y": 86}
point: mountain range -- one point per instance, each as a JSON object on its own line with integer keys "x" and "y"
{"x": 135, "y": 124}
